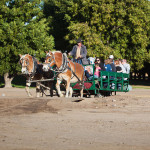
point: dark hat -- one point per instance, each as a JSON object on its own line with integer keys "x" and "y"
{"x": 79, "y": 40}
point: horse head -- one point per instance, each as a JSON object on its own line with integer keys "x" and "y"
{"x": 52, "y": 58}
{"x": 49, "y": 61}
{"x": 28, "y": 65}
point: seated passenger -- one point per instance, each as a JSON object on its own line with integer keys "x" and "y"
{"x": 126, "y": 65}
{"x": 107, "y": 65}
{"x": 118, "y": 67}
{"x": 89, "y": 72}
{"x": 112, "y": 65}
{"x": 97, "y": 71}
{"x": 123, "y": 68}
{"x": 101, "y": 64}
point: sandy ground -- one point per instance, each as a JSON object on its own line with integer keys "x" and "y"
{"x": 118, "y": 122}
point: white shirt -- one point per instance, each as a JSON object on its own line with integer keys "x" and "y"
{"x": 123, "y": 68}
{"x": 127, "y": 67}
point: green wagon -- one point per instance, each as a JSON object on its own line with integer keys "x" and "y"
{"x": 107, "y": 83}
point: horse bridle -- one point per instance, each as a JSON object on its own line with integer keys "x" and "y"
{"x": 32, "y": 73}
{"x": 23, "y": 60}
{"x": 50, "y": 60}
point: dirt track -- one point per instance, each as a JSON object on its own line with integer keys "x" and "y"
{"x": 120, "y": 122}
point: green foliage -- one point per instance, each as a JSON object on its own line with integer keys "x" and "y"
{"x": 22, "y": 30}
{"x": 121, "y": 28}
{"x": 55, "y": 13}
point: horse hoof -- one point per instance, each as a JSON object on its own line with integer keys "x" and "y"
{"x": 38, "y": 95}
{"x": 61, "y": 95}
{"x": 68, "y": 96}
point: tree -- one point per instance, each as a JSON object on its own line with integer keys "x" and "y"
{"x": 54, "y": 11}
{"x": 22, "y": 30}
{"x": 121, "y": 28}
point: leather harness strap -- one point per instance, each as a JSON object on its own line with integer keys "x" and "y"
{"x": 63, "y": 68}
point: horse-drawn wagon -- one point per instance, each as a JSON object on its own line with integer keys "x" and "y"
{"x": 73, "y": 75}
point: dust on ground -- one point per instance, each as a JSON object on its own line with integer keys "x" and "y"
{"x": 118, "y": 122}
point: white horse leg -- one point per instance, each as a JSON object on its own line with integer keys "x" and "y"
{"x": 37, "y": 90}
{"x": 27, "y": 89}
{"x": 81, "y": 92}
{"x": 82, "y": 87}
{"x": 71, "y": 91}
{"x": 58, "y": 87}
{"x": 67, "y": 88}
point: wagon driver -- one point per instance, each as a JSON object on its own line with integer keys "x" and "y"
{"x": 79, "y": 53}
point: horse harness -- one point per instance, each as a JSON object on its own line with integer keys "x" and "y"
{"x": 64, "y": 67}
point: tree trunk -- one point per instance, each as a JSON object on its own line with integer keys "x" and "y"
{"x": 7, "y": 80}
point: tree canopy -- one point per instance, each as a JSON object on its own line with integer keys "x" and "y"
{"x": 23, "y": 29}
{"x": 117, "y": 27}
{"x": 121, "y": 28}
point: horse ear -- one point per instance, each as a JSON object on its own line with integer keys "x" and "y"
{"x": 46, "y": 52}
{"x": 20, "y": 55}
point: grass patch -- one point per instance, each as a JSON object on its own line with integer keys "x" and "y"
{"x": 21, "y": 86}
{"x": 1, "y": 85}
{"x": 140, "y": 87}
{"x": 18, "y": 86}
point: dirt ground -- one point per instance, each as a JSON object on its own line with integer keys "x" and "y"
{"x": 118, "y": 122}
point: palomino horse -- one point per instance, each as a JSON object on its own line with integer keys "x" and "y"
{"x": 32, "y": 69}
{"x": 67, "y": 70}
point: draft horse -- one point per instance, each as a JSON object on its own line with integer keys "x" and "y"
{"x": 32, "y": 69}
{"x": 67, "y": 70}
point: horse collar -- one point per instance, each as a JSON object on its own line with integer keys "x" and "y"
{"x": 33, "y": 72}
{"x": 49, "y": 64}
{"x": 34, "y": 66}
{"x": 63, "y": 67}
